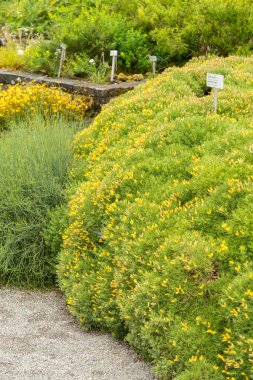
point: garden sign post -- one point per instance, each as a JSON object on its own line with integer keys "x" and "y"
{"x": 113, "y": 54}
{"x": 63, "y": 56}
{"x": 153, "y": 59}
{"x": 216, "y": 82}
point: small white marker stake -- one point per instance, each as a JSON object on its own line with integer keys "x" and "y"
{"x": 215, "y": 92}
{"x": 63, "y": 56}
{"x": 153, "y": 59}
{"x": 216, "y": 82}
{"x": 113, "y": 54}
{"x": 103, "y": 58}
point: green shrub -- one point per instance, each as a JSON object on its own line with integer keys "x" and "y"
{"x": 134, "y": 48}
{"x": 77, "y": 65}
{"x": 96, "y": 30}
{"x": 173, "y": 30}
{"x": 33, "y": 172}
{"x": 28, "y": 13}
{"x": 41, "y": 57}
{"x": 159, "y": 244}
{"x": 91, "y": 31}
{"x": 200, "y": 370}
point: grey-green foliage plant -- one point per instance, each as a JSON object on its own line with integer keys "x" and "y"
{"x": 98, "y": 73}
{"x": 33, "y": 171}
{"x": 81, "y": 66}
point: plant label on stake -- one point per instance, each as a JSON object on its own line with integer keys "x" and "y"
{"x": 63, "y": 56}
{"x": 114, "y": 55}
{"x": 153, "y": 59}
{"x": 216, "y": 82}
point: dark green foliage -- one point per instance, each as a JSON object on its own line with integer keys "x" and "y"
{"x": 174, "y": 30}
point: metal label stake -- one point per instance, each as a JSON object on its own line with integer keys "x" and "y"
{"x": 215, "y": 90}
{"x": 63, "y": 56}
{"x": 103, "y": 58}
{"x": 114, "y": 55}
{"x": 216, "y": 82}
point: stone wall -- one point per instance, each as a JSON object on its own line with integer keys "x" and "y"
{"x": 101, "y": 93}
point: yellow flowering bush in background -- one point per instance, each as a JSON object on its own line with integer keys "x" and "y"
{"x": 159, "y": 243}
{"x": 25, "y": 100}
{"x": 37, "y": 125}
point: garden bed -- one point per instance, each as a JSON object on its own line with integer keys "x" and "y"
{"x": 101, "y": 93}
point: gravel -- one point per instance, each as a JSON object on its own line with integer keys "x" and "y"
{"x": 40, "y": 340}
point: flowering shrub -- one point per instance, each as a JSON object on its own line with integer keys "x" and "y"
{"x": 24, "y": 100}
{"x": 159, "y": 245}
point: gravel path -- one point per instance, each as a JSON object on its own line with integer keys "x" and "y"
{"x": 39, "y": 340}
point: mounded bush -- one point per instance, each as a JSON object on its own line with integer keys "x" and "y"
{"x": 159, "y": 244}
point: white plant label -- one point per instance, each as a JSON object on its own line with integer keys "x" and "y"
{"x": 153, "y": 58}
{"x": 114, "y": 53}
{"x": 215, "y": 81}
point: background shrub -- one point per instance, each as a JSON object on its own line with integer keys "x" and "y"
{"x": 97, "y": 30}
{"x": 173, "y": 30}
{"x": 41, "y": 57}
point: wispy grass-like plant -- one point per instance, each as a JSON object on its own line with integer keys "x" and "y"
{"x": 33, "y": 168}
